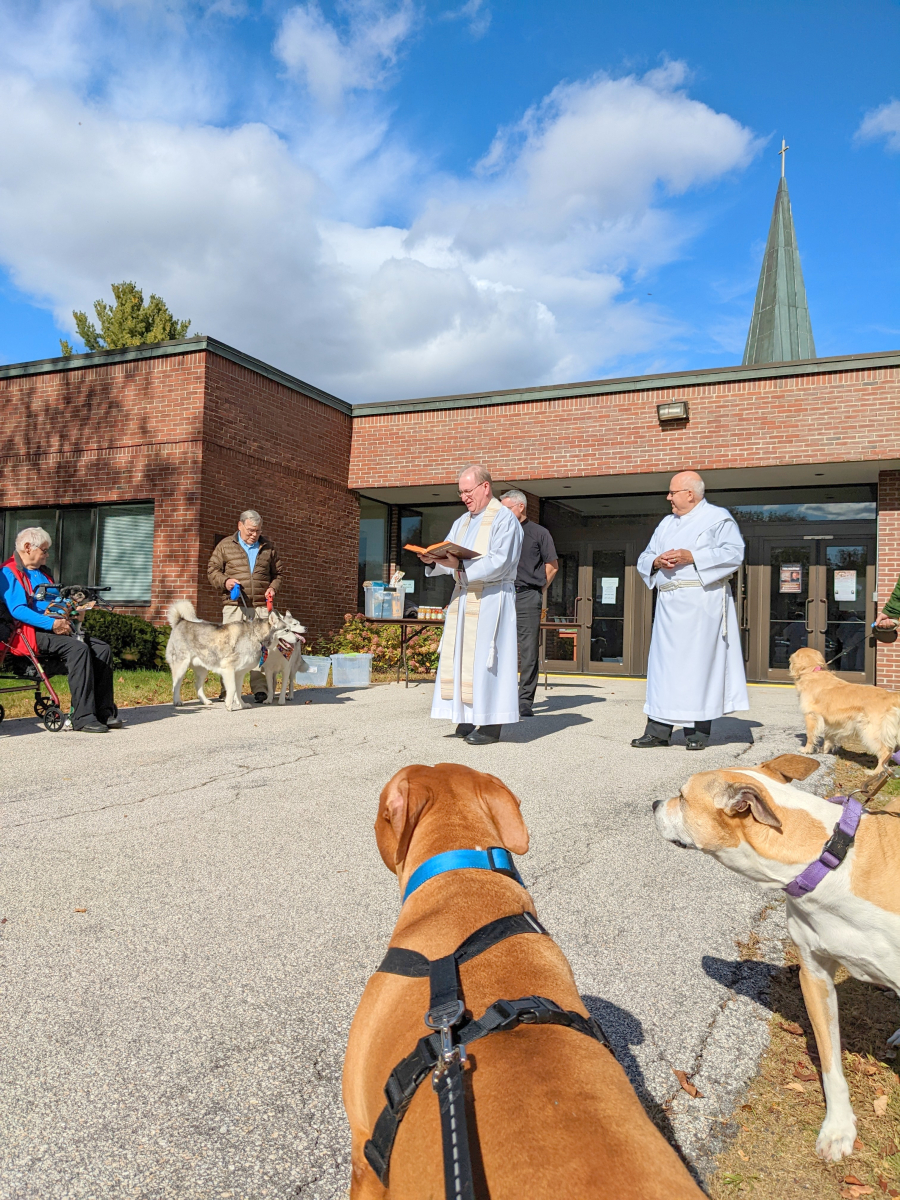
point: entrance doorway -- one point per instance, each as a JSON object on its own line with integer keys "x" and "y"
{"x": 814, "y": 590}
{"x": 597, "y": 611}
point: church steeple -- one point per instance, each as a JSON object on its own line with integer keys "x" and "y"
{"x": 780, "y": 329}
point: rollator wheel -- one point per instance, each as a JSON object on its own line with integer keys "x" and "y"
{"x": 39, "y": 706}
{"x": 52, "y": 718}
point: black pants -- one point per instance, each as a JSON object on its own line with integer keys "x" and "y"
{"x": 528, "y": 626}
{"x": 661, "y": 730}
{"x": 89, "y": 667}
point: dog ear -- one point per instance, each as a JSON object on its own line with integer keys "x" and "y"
{"x": 744, "y": 797}
{"x": 789, "y": 766}
{"x": 402, "y": 802}
{"x": 505, "y": 813}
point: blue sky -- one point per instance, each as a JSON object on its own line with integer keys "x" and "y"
{"x": 398, "y": 199}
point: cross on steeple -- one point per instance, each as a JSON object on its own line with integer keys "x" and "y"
{"x": 783, "y": 151}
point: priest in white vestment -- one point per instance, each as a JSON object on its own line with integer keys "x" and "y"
{"x": 695, "y": 672}
{"x": 477, "y": 684}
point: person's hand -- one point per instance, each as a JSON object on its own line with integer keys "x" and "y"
{"x": 674, "y": 558}
{"x": 270, "y": 593}
{"x": 885, "y": 622}
{"x": 451, "y": 561}
{"x": 61, "y": 625}
{"x": 427, "y": 559}
{"x": 230, "y": 583}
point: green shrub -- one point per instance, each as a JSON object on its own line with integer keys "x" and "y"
{"x": 134, "y": 642}
{"x": 359, "y": 636}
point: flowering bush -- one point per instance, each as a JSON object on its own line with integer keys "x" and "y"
{"x": 359, "y": 636}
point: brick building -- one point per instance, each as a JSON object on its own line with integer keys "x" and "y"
{"x": 138, "y": 460}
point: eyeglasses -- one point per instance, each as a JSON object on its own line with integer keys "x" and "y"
{"x": 677, "y": 490}
{"x": 469, "y": 491}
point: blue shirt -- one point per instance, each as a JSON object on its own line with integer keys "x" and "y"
{"x": 252, "y": 552}
{"x": 16, "y": 598}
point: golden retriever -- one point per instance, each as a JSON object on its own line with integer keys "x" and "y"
{"x": 841, "y": 712}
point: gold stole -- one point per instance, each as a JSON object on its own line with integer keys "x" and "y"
{"x": 472, "y": 601}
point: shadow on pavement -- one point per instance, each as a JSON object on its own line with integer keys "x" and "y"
{"x": 555, "y": 703}
{"x": 540, "y": 726}
{"x": 744, "y": 976}
{"x": 624, "y": 1030}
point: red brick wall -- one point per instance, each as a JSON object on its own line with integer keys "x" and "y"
{"x": 112, "y": 433}
{"x": 759, "y": 422}
{"x": 286, "y": 455}
{"x": 888, "y": 656}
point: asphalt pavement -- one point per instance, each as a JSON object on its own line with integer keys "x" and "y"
{"x": 190, "y": 908}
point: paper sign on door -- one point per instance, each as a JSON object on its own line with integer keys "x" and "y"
{"x": 608, "y": 588}
{"x": 791, "y": 578}
{"x": 845, "y": 585}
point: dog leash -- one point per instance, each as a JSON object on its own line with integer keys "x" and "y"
{"x": 443, "y": 1053}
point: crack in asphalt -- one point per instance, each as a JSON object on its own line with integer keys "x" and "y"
{"x": 194, "y": 787}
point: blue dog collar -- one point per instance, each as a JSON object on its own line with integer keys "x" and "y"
{"x": 495, "y": 858}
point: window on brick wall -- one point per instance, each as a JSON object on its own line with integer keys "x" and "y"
{"x": 373, "y": 540}
{"x": 102, "y": 545}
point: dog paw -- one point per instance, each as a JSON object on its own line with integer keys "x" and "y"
{"x": 807, "y": 749}
{"x": 836, "y": 1138}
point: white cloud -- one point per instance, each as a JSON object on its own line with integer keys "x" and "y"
{"x": 271, "y": 234}
{"x": 883, "y": 122}
{"x": 311, "y": 48}
{"x": 476, "y": 15}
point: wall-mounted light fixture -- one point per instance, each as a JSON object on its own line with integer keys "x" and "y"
{"x": 676, "y": 410}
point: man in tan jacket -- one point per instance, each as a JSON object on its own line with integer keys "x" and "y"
{"x": 251, "y": 560}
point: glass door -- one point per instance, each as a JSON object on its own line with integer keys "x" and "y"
{"x": 820, "y": 595}
{"x": 606, "y": 584}
{"x": 589, "y": 625}
{"x": 562, "y": 634}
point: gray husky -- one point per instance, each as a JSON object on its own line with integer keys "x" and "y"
{"x": 230, "y": 650}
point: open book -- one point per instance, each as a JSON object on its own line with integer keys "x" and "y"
{"x": 442, "y": 549}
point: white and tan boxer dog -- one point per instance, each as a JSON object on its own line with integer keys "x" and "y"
{"x": 754, "y": 822}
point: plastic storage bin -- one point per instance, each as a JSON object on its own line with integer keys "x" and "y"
{"x": 351, "y": 670}
{"x": 317, "y": 674}
{"x": 384, "y": 603}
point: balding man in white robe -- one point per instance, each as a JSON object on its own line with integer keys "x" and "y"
{"x": 695, "y": 671}
{"x": 477, "y": 683}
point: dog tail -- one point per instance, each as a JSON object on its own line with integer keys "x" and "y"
{"x": 181, "y": 610}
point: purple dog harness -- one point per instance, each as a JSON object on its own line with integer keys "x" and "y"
{"x": 833, "y": 852}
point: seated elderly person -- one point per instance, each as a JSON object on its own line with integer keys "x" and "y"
{"x": 88, "y": 663}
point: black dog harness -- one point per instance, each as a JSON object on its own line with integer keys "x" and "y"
{"x": 443, "y": 1052}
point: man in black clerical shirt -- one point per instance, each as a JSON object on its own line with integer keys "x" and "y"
{"x": 538, "y": 565}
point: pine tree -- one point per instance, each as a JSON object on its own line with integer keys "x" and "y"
{"x": 129, "y": 323}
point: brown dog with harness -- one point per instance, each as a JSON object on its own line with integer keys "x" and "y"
{"x": 476, "y": 1003}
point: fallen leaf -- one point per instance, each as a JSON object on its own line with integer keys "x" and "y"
{"x": 746, "y": 1128}
{"x": 804, "y": 1073}
{"x": 880, "y": 1105}
{"x": 686, "y": 1085}
{"x": 852, "y": 1192}
{"x": 795, "y": 1087}
{"x": 853, "y": 1180}
{"x": 791, "y": 1027}
{"x": 81, "y": 910}
{"x": 745, "y": 1157}
{"x": 882, "y": 1183}
{"x": 744, "y": 1107}
{"x": 857, "y": 1145}
{"x": 890, "y": 1148}
{"x": 865, "y": 1068}
{"x": 3, "y": 921}
{"x": 891, "y": 1192}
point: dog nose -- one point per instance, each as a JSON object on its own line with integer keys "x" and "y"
{"x": 656, "y": 804}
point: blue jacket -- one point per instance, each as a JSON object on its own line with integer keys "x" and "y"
{"x": 29, "y": 612}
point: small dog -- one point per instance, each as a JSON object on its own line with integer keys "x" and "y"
{"x": 755, "y": 823}
{"x": 285, "y": 656}
{"x": 230, "y": 650}
{"x": 554, "y": 1114}
{"x": 841, "y": 712}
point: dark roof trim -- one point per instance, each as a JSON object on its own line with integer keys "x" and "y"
{"x": 636, "y": 383}
{"x": 192, "y": 345}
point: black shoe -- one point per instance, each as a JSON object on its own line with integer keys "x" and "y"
{"x": 260, "y": 697}
{"x": 463, "y": 730}
{"x": 647, "y": 740}
{"x": 484, "y": 735}
{"x": 695, "y": 742}
{"x": 525, "y": 712}
{"x": 92, "y": 726}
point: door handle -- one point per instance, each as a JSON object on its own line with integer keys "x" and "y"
{"x": 575, "y": 616}
{"x": 809, "y": 628}
{"x": 822, "y": 600}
